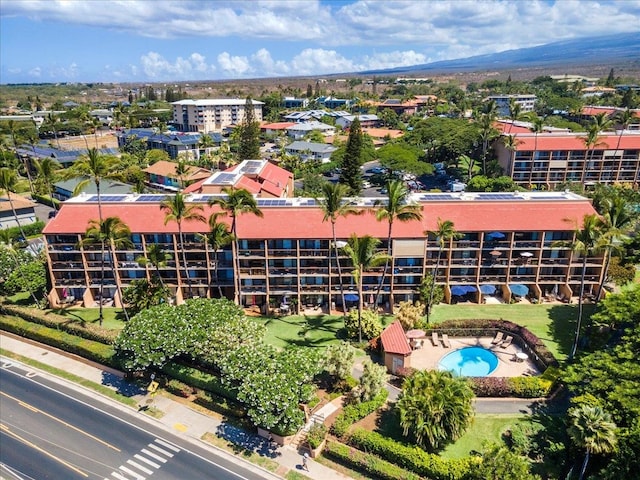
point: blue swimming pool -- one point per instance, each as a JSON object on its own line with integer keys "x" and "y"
{"x": 470, "y": 362}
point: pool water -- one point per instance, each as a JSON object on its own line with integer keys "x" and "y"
{"x": 470, "y": 362}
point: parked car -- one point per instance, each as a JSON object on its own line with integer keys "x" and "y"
{"x": 366, "y": 184}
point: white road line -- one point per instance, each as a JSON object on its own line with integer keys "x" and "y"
{"x": 164, "y": 452}
{"x": 166, "y": 444}
{"x": 153, "y": 455}
{"x": 118, "y": 476}
{"x": 146, "y": 460}
{"x": 131, "y": 472}
{"x": 140, "y": 467}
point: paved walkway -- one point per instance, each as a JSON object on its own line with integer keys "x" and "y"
{"x": 178, "y": 418}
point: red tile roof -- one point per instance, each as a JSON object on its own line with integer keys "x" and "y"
{"x": 562, "y": 141}
{"x": 394, "y": 339}
{"x": 277, "y": 125}
{"x": 306, "y": 222}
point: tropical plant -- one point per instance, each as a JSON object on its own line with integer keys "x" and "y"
{"x": 156, "y": 257}
{"x": 587, "y": 241}
{"x": 444, "y": 233}
{"x": 116, "y": 234}
{"x": 142, "y": 294}
{"x": 47, "y": 168}
{"x": 236, "y": 202}
{"x": 396, "y": 207}
{"x": 334, "y": 204}
{"x": 363, "y": 254}
{"x": 366, "y": 323}
{"x": 537, "y": 127}
{"x": 515, "y": 110}
{"x": 591, "y": 429}
{"x": 372, "y": 381}
{"x": 177, "y": 210}
{"x": 499, "y": 463}
{"x": 410, "y": 315}
{"x": 218, "y": 237}
{"x": 435, "y": 408}
{"x": 8, "y": 182}
{"x": 338, "y": 361}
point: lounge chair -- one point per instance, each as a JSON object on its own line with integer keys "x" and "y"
{"x": 498, "y": 338}
{"x": 445, "y": 341}
{"x": 434, "y": 339}
{"x": 507, "y": 341}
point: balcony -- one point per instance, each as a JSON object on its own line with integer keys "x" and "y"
{"x": 251, "y": 253}
{"x": 466, "y": 244}
{"x": 253, "y": 272}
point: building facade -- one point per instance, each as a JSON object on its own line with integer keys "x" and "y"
{"x": 507, "y": 238}
{"x": 213, "y": 115}
{"x": 527, "y": 103}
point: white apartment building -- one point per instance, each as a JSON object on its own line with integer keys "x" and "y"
{"x": 526, "y": 102}
{"x": 213, "y": 115}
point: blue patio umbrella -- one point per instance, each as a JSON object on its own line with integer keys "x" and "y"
{"x": 519, "y": 289}
{"x": 496, "y": 235}
{"x": 488, "y": 289}
{"x": 351, "y": 297}
{"x": 471, "y": 289}
{"x": 458, "y": 290}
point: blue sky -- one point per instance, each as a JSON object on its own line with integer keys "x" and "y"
{"x": 157, "y": 40}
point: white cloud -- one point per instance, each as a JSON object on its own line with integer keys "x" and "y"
{"x": 156, "y": 67}
{"x": 234, "y": 66}
{"x": 317, "y": 60}
{"x": 35, "y": 72}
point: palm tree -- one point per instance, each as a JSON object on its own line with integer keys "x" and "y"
{"x": 176, "y": 210}
{"x": 537, "y": 127}
{"x": 333, "y": 206}
{"x": 487, "y": 133}
{"x": 235, "y": 203}
{"x": 364, "y": 255}
{"x": 599, "y": 123}
{"x": 591, "y": 429}
{"x": 93, "y": 167}
{"x": 587, "y": 241}
{"x": 157, "y": 258}
{"x": 515, "y": 109}
{"x": 116, "y": 234}
{"x": 53, "y": 120}
{"x": 396, "y": 207}
{"x": 511, "y": 143}
{"x": 182, "y": 169}
{"x": 218, "y": 237}
{"x": 444, "y": 233}
{"x": 8, "y": 181}
{"x": 13, "y": 132}
{"x": 46, "y": 169}
{"x": 624, "y": 119}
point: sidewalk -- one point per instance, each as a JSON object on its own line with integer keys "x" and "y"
{"x": 178, "y": 418}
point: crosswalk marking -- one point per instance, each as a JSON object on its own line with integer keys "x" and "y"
{"x": 140, "y": 467}
{"x": 154, "y": 455}
{"x": 168, "y": 445}
{"x": 164, "y": 452}
{"x": 118, "y": 476}
{"x": 131, "y": 472}
{"x": 146, "y": 460}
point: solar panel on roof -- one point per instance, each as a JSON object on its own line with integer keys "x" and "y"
{"x": 225, "y": 178}
{"x": 112, "y": 198}
{"x": 151, "y": 198}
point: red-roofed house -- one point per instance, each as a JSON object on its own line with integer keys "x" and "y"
{"x": 163, "y": 174}
{"x": 276, "y": 128}
{"x": 287, "y": 251}
{"x": 396, "y": 348}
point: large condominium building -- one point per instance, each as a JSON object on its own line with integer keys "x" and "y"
{"x": 503, "y": 103}
{"x": 506, "y": 239}
{"x": 548, "y": 160}
{"x": 214, "y": 115}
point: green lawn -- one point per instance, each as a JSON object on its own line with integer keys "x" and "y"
{"x": 310, "y": 331}
{"x": 113, "y": 318}
{"x": 485, "y": 428}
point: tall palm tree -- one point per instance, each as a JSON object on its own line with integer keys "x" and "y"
{"x": 537, "y": 127}
{"x": 587, "y": 241}
{"x": 182, "y": 169}
{"x": 616, "y": 217}
{"x": 334, "y": 204}
{"x": 396, "y": 207}
{"x": 53, "y": 121}
{"x": 487, "y": 133}
{"x": 515, "y": 110}
{"x": 14, "y": 132}
{"x": 47, "y": 168}
{"x": 235, "y": 203}
{"x": 218, "y": 237}
{"x": 624, "y": 119}
{"x": 8, "y": 181}
{"x": 157, "y": 258}
{"x": 591, "y": 141}
{"x": 511, "y": 143}
{"x": 93, "y": 167}
{"x": 363, "y": 255}
{"x": 176, "y": 210}
{"x": 111, "y": 231}
{"x": 444, "y": 233}
{"x": 591, "y": 429}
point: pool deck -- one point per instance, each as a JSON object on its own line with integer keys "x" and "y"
{"x": 428, "y": 356}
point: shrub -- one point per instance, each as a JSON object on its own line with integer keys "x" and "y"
{"x": 367, "y": 462}
{"x": 176, "y": 387}
{"x": 357, "y": 411}
{"x": 29, "y": 230}
{"x": 411, "y": 457}
{"x": 199, "y": 379}
{"x": 490, "y": 387}
{"x": 369, "y": 322}
{"x": 317, "y": 434}
{"x": 529, "y": 387}
{"x": 219, "y": 404}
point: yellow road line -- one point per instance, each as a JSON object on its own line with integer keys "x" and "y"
{"x": 73, "y": 427}
{"x": 36, "y": 447}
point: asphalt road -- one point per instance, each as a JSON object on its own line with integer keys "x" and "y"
{"x": 48, "y": 431}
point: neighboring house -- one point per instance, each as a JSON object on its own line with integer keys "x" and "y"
{"x": 366, "y": 120}
{"x": 259, "y": 177}
{"x": 396, "y": 348}
{"x": 65, "y": 158}
{"x": 381, "y": 135}
{"x": 291, "y": 102}
{"x": 332, "y": 103}
{"x": 163, "y": 175}
{"x": 104, "y": 116}
{"x": 299, "y": 130}
{"x": 305, "y": 116}
{"x": 25, "y": 210}
{"x": 175, "y": 144}
{"x": 526, "y": 102}
{"x": 310, "y": 151}
{"x": 277, "y": 128}
{"x": 212, "y": 115}
{"x": 64, "y": 190}
{"x": 409, "y": 107}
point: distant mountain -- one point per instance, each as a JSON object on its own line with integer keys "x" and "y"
{"x": 609, "y": 49}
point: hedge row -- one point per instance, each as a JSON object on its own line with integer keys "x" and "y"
{"x": 46, "y": 200}
{"x": 366, "y": 462}
{"x": 199, "y": 379}
{"x": 355, "y": 412}
{"x": 411, "y": 457}
{"x": 523, "y": 387}
{"x": 92, "y": 350}
{"x": 88, "y": 331}
{"x": 481, "y": 327}
{"x": 29, "y": 229}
